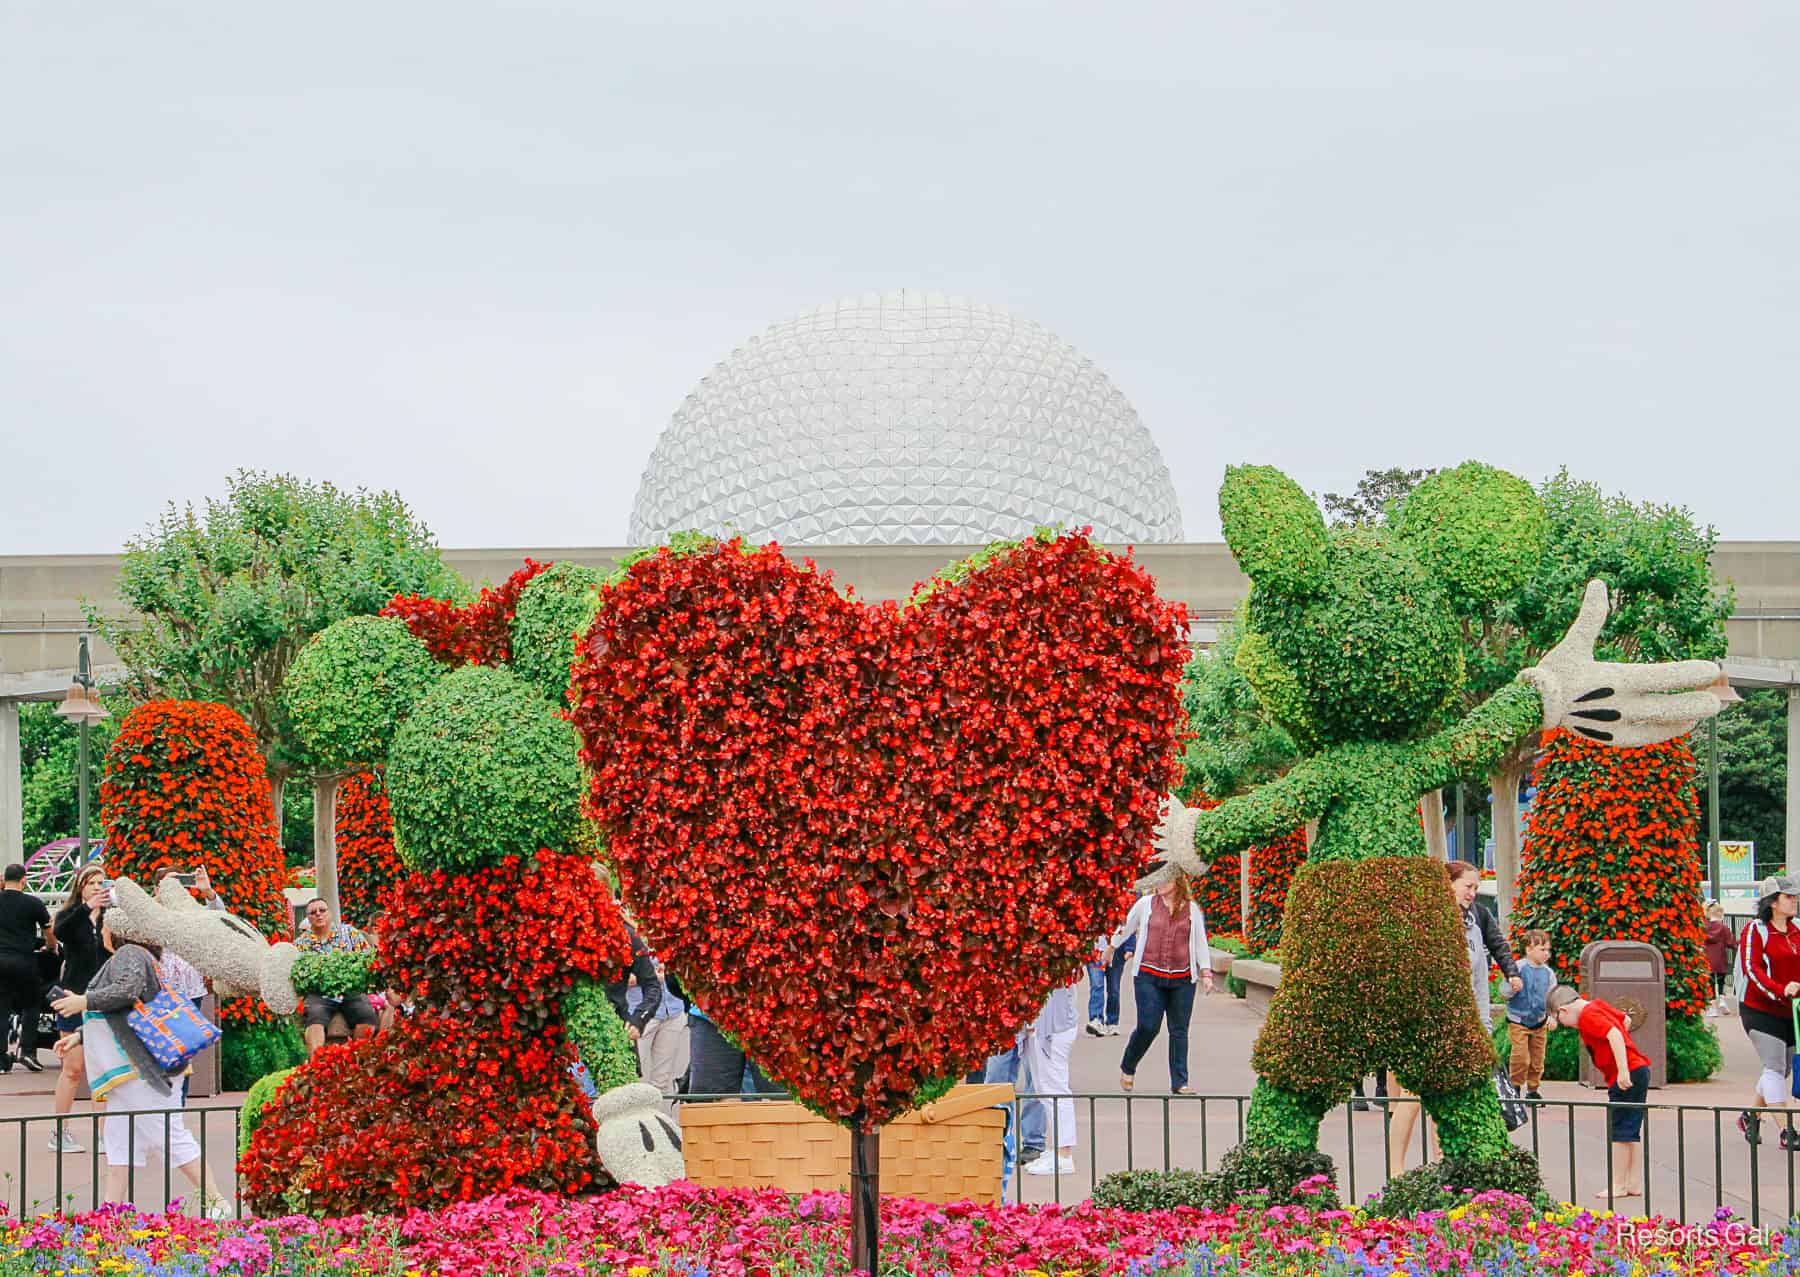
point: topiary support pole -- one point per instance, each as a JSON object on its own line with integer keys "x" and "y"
{"x": 865, "y": 1200}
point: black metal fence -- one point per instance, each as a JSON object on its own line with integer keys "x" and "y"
{"x": 1694, "y": 1160}
{"x": 40, "y": 1178}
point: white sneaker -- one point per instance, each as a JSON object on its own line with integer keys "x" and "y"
{"x": 1712, "y": 1012}
{"x": 1049, "y": 1164}
{"x": 219, "y": 1208}
{"x": 1112, "y": 1030}
{"x": 1096, "y": 1029}
{"x": 68, "y": 1144}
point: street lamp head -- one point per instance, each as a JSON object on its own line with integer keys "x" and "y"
{"x": 80, "y": 705}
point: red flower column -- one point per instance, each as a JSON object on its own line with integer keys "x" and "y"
{"x": 1611, "y": 853}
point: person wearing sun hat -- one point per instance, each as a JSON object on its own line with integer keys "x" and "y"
{"x": 1769, "y": 961}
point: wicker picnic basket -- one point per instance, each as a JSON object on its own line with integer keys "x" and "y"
{"x": 947, "y": 1151}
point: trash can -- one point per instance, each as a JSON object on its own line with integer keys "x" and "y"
{"x": 1628, "y": 974}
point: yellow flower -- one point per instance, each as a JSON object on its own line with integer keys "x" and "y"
{"x": 637, "y": 1270}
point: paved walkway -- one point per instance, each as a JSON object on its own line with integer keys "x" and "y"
{"x": 1691, "y": 1173}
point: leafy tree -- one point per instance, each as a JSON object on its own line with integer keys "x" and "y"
{"x": 1235, "y": 744}
{"x": 1753, "y": 767}
{"x": 1377, "y": 496}
{"x": 1665, "y": 607}
{"x": 50, "y": 766}
{"x": 225, "y": 598}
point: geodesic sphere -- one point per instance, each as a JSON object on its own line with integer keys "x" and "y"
{"x": 905, "y": 418}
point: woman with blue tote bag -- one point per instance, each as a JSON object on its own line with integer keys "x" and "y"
{"x": 122, "y": 1072}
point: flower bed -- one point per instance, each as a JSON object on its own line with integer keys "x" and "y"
{"x": 691, "y": 1231}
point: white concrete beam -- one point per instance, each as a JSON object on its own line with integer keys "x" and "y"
{"x": 1793, "y": 781}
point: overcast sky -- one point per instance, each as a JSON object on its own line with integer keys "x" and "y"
{"x": 479, "y": 253}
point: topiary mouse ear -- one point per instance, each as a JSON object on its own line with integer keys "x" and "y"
{"x": 352, "y": 686}
{"x": 1479, "y": 530}
{"x": 1274, "y": 529}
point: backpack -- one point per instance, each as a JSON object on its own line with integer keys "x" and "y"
{"x": 1740, "y": 971}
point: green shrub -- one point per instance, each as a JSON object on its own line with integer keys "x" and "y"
{"x": 484, "y": 769}
{"x": 250, "y": 1052}
{"x": 1151, "y": 1190}
{"x": 555, "y": 605}
{"x": 250, "y": 1116}
{"x": 1444, "y": 1184}
{"x": 599, "y": 1037}
{"x": 1274, "y": 1173}
{"x": 351, "y": 686}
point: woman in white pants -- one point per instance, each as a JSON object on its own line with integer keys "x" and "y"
{"x": 1048, "y": 1042}
{"x": 120, "y": 1071}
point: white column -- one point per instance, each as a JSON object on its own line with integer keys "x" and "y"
{"x": 325, "y": 873}
{"x": 1793, "y": 781}
{"x": 12, "y": 781}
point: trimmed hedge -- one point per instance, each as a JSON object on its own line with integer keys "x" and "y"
{"x": 1151, "y": 1190}
{"x": 350, "y": 687}
{"x": 483, "y": 770}
{"x": 1450, "y": 1182}
{"x": 250, "y": 1115}
{"x": 553, "y": 609}
{"x": 1276, "y": 1173}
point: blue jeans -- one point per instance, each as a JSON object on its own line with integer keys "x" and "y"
{"x": 1009, "y": 1066}
{"x": 1103, "y": 984}
{"x": 1158, "y": 996}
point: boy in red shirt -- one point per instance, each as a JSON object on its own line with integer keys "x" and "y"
{"x": 1627, "y": 1072}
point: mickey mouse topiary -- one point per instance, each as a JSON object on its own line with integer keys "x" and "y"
{"x": 1351, "y": 641}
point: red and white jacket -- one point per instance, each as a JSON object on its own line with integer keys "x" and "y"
{"x": 1770, "y": 961}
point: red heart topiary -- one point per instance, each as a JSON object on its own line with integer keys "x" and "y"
{"x": 871, "y": 839}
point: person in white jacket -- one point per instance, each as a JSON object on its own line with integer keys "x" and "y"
{"x": 1171, "y": 960}
{"x": 1048, "y": 1040}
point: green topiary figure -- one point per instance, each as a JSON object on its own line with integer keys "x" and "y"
{"x": 1352, "y": 641}
{"x": 456, "y": 775}
{"x": 555, "y": 606}
{"x": 347, "y": 690}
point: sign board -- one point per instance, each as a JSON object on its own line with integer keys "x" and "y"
{"x": 1737, "y": 868}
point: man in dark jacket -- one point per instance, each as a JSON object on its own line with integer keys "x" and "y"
{"x": 643, "y": 970}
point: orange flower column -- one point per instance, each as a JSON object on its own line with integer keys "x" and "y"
{"x": 1611, "y": 853}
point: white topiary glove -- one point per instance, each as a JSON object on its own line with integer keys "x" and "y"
{"x": 1613, "y": 702}
{"x": 1174, "y": 846}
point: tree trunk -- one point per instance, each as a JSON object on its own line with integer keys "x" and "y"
{"x": 1431, "y": 811}
{"x": 865, "y": 1200}
{"x": 1504, "y": 782}
{"x": 325, "y": 877}
{"x": 1244, "y": 893}
{"x": 277, "y": 783}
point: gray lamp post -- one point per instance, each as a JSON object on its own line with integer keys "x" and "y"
{"x": 1727, "y": 695}
{"x": 81, "y": 705}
